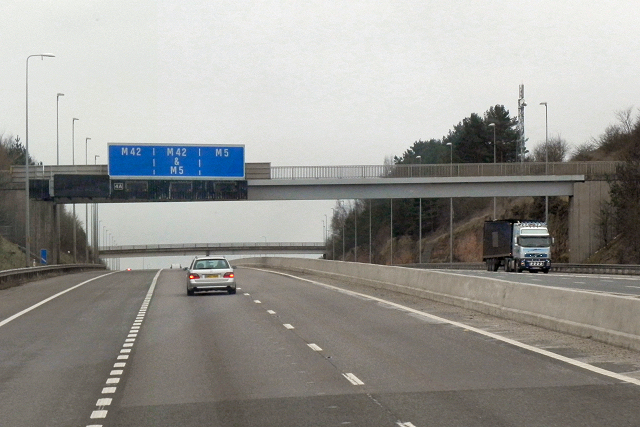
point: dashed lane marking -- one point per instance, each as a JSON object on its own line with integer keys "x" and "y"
{"x": 114, "y": 374}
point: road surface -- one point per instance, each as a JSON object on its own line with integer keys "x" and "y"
{"x": 132, "y": 349}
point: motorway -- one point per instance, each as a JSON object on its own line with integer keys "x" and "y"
{"x": 607, "y": 283}
{"x": 132, "y": 349}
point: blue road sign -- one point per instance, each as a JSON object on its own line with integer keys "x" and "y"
{"x": 172, "y": 161}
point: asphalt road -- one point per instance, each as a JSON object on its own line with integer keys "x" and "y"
{"x": 126, "y": 349}
{"x": 609, "y": 283}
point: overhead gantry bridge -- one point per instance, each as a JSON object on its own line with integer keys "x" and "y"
{"x": 271, "y": 248}
{"x": 585, "y": 183}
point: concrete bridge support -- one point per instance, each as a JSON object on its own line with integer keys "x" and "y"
{"x": 585, "y": 237}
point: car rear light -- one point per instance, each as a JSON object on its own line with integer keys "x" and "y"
{"x": 194, "y": 276}
{"x": 228, "y": 275}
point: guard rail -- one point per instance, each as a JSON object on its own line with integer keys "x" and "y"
{"x": 19, "y": 275}
{"x": 623, "y": 269}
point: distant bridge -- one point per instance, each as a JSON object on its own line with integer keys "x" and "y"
{"x": 302, "y": 248}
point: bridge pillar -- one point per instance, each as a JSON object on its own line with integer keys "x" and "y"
{"x": 584, "y": 215}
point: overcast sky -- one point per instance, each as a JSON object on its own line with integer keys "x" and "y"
{"x": 301, "y": 83}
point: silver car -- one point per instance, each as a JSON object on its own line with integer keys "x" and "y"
{"x": 210, "y": 273}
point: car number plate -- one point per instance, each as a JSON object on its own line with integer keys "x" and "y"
{"x": 212, "y": 276}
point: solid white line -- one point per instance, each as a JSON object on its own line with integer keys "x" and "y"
{"x": 637, "y": 287}
{"x": 33, "y": 307}
{"x": 531, "y": 348}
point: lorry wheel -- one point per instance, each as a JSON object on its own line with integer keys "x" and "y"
{"x": 496, "y": 265}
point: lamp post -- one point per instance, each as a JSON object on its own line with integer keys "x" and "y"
{"x": 57, "y": 206}
{"x": 58, "y": 128}
{"x": 73, "y": 160}
{"x": 27, "y": 232}
{"x": 546, "y": 158}
{"x": 493, "y": 125}
{"x": 451, "y": 211}
{"x": 94, "y": 231}
{"x": 333, "y": 239}
{"x": 355, "y": 233}
{"x": 86, "y": 208}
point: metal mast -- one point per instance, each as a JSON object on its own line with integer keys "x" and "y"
{"x": 521, "y": 141}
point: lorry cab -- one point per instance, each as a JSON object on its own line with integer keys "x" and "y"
{"x": 531, "y": 247}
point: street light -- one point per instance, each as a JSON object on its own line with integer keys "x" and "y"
{"x": 493, "y": 125}
{"x": 57, "y": 206}
{"x": 333, "y": 239}
{"x": 73, "y": 160}
{"x": 94, "y": 231}
{"x": 419, "y": 159}
{"x": 58, "y": 128}
{"x": 451, "y": 211}
{"x": 546, "y": 158}
{"x": 27, "y": 233}
{"x": 86, "y": 208}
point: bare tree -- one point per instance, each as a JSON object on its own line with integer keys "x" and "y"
{"x": 626, "y": 120}
{"x": 557, "y": 150}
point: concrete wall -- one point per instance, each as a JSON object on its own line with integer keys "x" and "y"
{"x": 608, "y": 318}
{"x": 584, "y": 212}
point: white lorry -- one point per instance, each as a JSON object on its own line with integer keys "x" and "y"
{"x": 517, "y": 245}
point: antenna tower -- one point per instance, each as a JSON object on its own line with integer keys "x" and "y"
{"x": 520, "y": 149}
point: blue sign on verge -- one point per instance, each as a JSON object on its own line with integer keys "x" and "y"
{"x": 176, "y": 161}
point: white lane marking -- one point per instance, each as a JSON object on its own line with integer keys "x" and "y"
{"x": 353, "y": 379}
{"x": 314, "y": 347}
{"x": 98, "y": 414}
{"x": 288, "y": 326}
{"x": 271, "y": 312}
{"x": 247, "y": 294}
{"x": 257, "y": 301}
{"x": 401, "y": 424}
{"x": 531, "y": 348}
{"x": 44, "y": 301}
{"x": 637, "y": 287}
{"x": 114, "y": 379}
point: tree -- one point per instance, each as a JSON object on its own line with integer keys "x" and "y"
{"x": 506, "y": 133}
{"x": 554, "y": 150}
{"x": 430, "y": 152}
{"x": 625, "y": 197}
{"x": 472, "y": 139}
